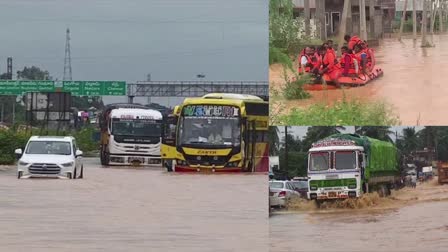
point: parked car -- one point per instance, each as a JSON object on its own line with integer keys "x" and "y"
{"x": 280, "y": 192}
{"x": 50, "y": 156}
{"x": 301, "y": 186}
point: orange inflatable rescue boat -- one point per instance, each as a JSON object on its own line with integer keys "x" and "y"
{"x": 346, "y": 81}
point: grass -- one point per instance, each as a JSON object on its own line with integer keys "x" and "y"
{"x": 294, "y": 86}
{"x": 341, "y": 113}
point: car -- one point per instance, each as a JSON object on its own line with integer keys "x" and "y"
{"x": 50, "y": 156}
{"x": 280, "y": 192}
{"x": 301, "y": 186}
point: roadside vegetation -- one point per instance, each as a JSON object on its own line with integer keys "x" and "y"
{"x": 342, "y": 112}
{"x": 15, "y": 138}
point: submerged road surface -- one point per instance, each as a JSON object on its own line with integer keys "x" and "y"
{"x": 127, "y": 209}
{"x": 411, "y": 220}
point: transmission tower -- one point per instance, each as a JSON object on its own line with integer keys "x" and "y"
{"x": 68, "y": 59}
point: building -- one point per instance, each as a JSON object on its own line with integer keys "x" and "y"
{"x": 384, "y": 12}
{"x": 399, "y": 7}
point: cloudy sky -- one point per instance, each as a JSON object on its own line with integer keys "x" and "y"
{"x": 126, "y": 40}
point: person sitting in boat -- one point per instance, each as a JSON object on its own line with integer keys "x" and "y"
{"x": 348, "y": 62}
{"x": 370, "y": 56}
{"x": 309, "y": 61}
{"x": 361, "y": 57}
{"x": 330, "y": 70}
{"x": 352, "y": 41}
{"x": 329, "y": 46}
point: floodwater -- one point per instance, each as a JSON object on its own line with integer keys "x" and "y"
{"x": 133, "y": 209}
{"x": 410, "y": 220}
{"x": 413, "y": 83}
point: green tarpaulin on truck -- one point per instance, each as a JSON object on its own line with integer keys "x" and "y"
{"x": 382, "y": 157}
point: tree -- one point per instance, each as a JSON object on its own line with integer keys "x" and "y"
{"x": 284, "y": 32}
{"x": 316, "y": 133}
{"x": 343, "y": 25}
{"x": 378, "y": 132}
{"x": 425, "y": 42}
{"x": 403, "y": 18}
{"x": 33, "y": 73}
{"x": 274, "y": 140}
{"x": 409, "y": 141}
{"x": 414, "y": 20}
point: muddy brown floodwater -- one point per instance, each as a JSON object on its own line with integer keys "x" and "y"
{"x": 414, "y": 83}
{"x": 125, "y": 209}
{"x": 410, "y": 220}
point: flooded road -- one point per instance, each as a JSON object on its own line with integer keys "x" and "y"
{"x": 126, "y": 209}
{"x": 412, "y": 220}
{"x": 413, "y": 83}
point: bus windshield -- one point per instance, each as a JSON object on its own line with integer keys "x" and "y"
{"x": 319, "y": 161}
{"x": 345, "y": 160}
{"x": 136, "y": 128}
{"x": 214, "y": 131}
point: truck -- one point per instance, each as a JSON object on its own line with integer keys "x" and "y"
{"x": 442, "y": 173}
{"x": 130, "y": 134}
{"x": 349, "y": 165}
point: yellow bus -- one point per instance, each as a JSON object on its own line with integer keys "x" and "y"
{"x": 218, "y": 132}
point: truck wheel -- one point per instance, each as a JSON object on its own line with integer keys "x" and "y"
{"x": 106, "y": 159}
{"x": 382, "y": 190}
{"x": 19, "y": 174}
{"x": 69, "y": 176}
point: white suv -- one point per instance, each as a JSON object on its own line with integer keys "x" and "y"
{"x": 50, "y": 156}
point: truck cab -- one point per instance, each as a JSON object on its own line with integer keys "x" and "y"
{"x": 335, "y": 170}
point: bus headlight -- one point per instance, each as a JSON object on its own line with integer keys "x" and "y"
{"x": 233, "y": 164}
{"x": 313, "y": 188}
{"x": 181, "y": 162}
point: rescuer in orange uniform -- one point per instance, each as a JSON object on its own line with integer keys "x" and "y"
{"x": 361, "y": 56}
{"x": 348, "y": 61}
{"x": 330, "y": 68}
{"x": 352, "y": 41}
{"x": 309, "y": 61}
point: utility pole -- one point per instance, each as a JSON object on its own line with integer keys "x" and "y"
{"x": 306, "y": 6}
{"x": 67, "y": 59}
{"x": 414, "y": 20}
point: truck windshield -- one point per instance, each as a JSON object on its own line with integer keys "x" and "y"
{"x": 49, "y": 147}
{"x": 319, "y": 161}
{"x": 210, "y": 131}
{"x": 345, "y": 160}
{"x": 136, "y": 128}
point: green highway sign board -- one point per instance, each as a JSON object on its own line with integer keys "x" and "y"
{"x": 95, "y": 88}
{"x": 76, "y": 88}
{"x": 8, "y": 87}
